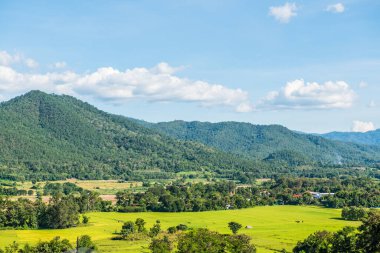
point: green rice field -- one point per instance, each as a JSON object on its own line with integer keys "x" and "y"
{"x": 273, "y": 227}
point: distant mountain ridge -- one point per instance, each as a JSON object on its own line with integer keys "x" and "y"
{"x": 369, "y": 138}
{"x": 268, "y": 142}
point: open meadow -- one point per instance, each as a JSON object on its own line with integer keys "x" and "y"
{"x": 273, "y": 227}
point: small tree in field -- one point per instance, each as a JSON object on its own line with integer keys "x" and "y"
{"x": 155, "y": 230}
{"x": 140, "y": 223}
{"x": 234, "y": 227}
{"x": 127, "y": 229}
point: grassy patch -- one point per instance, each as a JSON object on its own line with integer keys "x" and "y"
{"x": 273, "y": 227}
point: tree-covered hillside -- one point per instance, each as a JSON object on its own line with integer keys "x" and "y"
{"x": 51, "y": 137}
{"x": 369, "y": 138}
{"x": 271, "y": 143}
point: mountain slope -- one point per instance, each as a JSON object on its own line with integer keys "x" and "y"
{"x": 369, "y": 138}
{"x": 271, "y": 143}
{"x": 52, "y": 137}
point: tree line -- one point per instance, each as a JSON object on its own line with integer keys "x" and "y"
{"x": 62, "y": 211}
{"x": 181, "y": 197}
{"x": 84, "y": 244}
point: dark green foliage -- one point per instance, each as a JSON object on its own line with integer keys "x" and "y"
{"x": 345, "y": 240}
{"x": 163, "y": 245}
{"x": 369, "y": 233}
{"x": 62, "y": 212}
{"x": 65, "y": 188}
{"x": 85, "y": 244}
{"x": 240, "y": 244}
{"x": 201, "y": 241}
{"x": 13, "y": 191}
{"x": 127, "y": 229}
{"x": 180, "y": 197}
{"x": 155, "y": 230}
{"x": 56, "y": 245}
{"x": 85, "y": 219}
{"x": 353, "y": 213}
{"x": 140, "y": 223}
{"x": 348, "y": 240}
{"x": 319, "y": 242}
{"x": 18, "y": 214}
{"x": 172, "y": 230}
{"x": 181, "y": 227}
{"x": 205, "y": 241}
{"x": 234, "y": 227}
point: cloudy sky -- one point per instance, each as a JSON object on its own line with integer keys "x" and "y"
{"x": 309, "y": 65}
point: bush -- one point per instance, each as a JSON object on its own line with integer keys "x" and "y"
{"x": 86, "y": 219}
{"x": 172, "y": 230}
{"x": 182, "y": 227}
{"x": 85, "y": 244}
{"x": 353, "y": 213}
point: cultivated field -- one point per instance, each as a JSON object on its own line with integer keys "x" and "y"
{"x": 102, "y": 186}
{"x": 274, "y": 227}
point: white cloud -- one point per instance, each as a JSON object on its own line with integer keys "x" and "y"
{"x": 362, "y": 127}
{"x": 59, "y": 65}
{"x": 336, "y": 8}
{"x": 7, "y": 59}
{"x": 156, "y": 84}
{"x": 300, "y": 95}
{"x": 30, "y": 63}
{"x": 283, "y": 13}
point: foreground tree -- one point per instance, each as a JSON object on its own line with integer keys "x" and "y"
{"x": 344, "y": 240}
{"x": 161, "y": 245}
{"x": 369, "y": 236}
{"x": 56, "y": 245}
{"x": 205, "y": 241}
{"x": 347, "y": 240}
{"x": 240, "y": 244}
{"x": 201, "y": 240}
{"x": 319, "y": 242}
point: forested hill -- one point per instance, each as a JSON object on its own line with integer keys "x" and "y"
{"x": 46, "y": 136}
{"x": 370, "y": 138}
{"x": 271, "y": 142}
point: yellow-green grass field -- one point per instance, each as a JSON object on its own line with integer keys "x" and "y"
{"x": 273, "y": 227}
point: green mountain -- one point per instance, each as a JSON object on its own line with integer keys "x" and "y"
{"x": 53, "y": 137}
{"x": 271, "y": 143}
{"x": 369, "y": 138}
{"x": 47, "y": 137}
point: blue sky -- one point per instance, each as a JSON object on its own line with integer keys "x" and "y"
{"x": 308, "y": 65}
